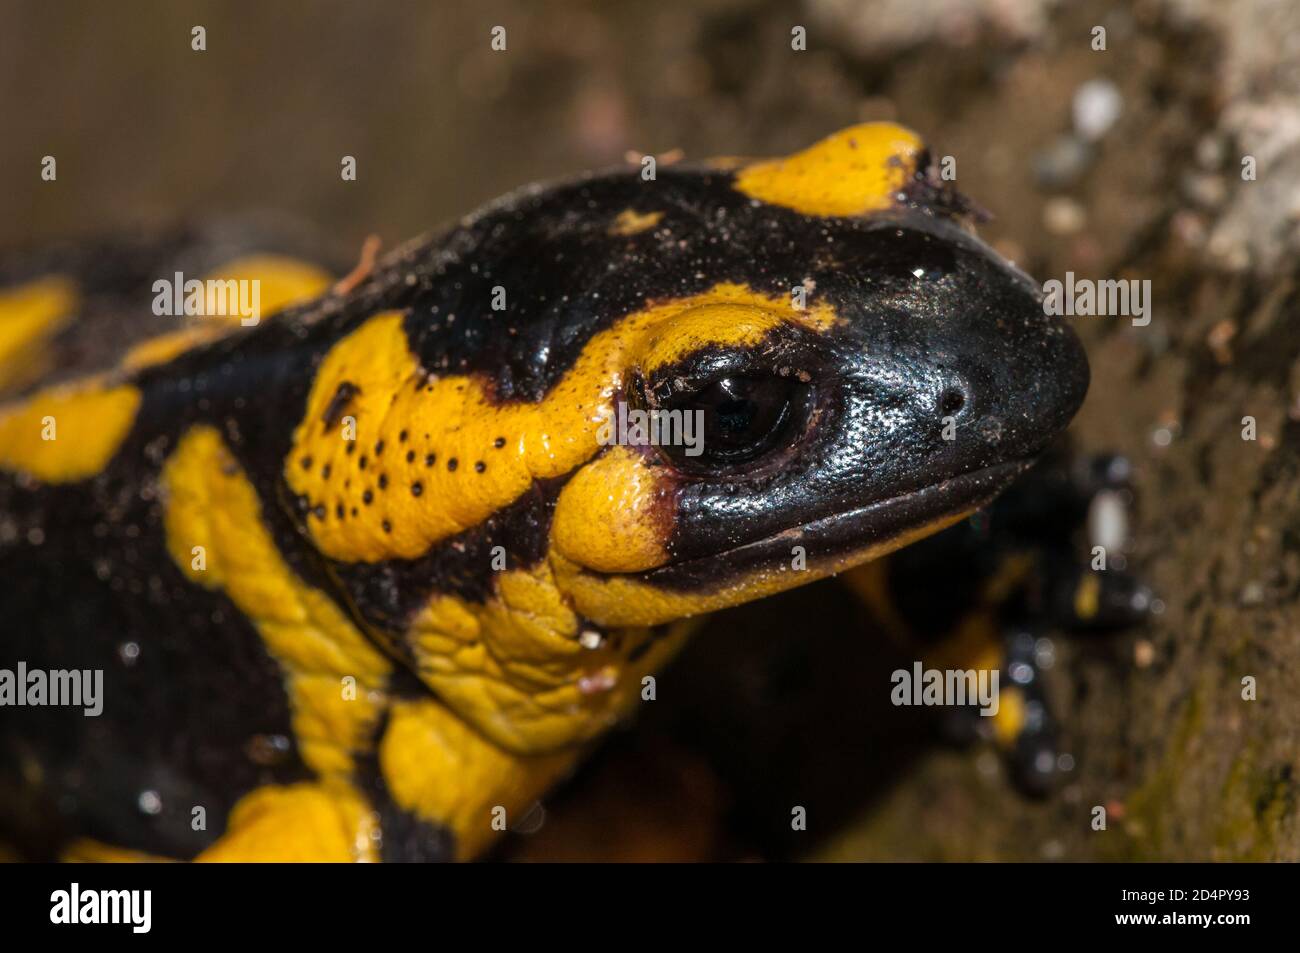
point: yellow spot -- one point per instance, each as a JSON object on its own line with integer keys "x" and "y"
{"x": 973, "y": 643}
{"x": 614, "y": 515}
{"x": 299, "y": 823}
{"x": 1010, "y": 718}
{"x": 282, "y": 281}
{"x": 465, "y": 456}
{"x": 440, "y": 769}
{"x": 68, "y": 433}
{"x": 855, "y": 171}
{"x": 632, "y": 222}
{"x": 1087, "y": 597}
{"x": 211, "y": 504}
{"x": 30, "y": 314}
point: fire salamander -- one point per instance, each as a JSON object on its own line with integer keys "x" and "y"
{"x": 364, "y": 579}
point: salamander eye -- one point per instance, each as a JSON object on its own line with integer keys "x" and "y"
{"x": 739, "y": 419}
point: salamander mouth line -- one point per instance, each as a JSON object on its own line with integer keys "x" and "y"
{"x": 840, "y": 535}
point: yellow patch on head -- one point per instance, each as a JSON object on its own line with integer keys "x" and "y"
{"x": 30, "y": 315}
{"x": 615, "y": 515}
{"x": 216, "y": 535}
{"x": 632, "y": 222}
{"x": 626, "y": 601}
{"x": 855, "y": 171}
{"x": 392, "y": 461}
{"x": 723, "y": 325}
{"x": 67, "y": 433}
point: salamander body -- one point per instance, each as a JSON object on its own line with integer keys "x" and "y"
{"x": 364, "y": 577}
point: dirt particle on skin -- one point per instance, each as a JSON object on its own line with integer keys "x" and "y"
{"x": 339, "y": 402}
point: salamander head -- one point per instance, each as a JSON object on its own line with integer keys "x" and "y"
{"x": 908, "y": 377}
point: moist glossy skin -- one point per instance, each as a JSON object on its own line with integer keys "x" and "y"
{"x": 934, "y": 327}
{"x": 402, "y": 485}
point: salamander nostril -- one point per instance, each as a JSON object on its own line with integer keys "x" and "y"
{"x": 952, "y": 400}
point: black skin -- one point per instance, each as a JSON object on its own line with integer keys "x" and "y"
{"x": 203, "y": 689}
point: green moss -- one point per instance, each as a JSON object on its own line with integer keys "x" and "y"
{"x": 1144, "y": 833}
{"x": 1241, "y": 821}
{"x": 1254, "y": 802}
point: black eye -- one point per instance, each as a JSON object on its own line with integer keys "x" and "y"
{"x": 739, "y": 419}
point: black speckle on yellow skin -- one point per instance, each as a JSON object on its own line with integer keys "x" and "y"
{"x": 402, "y": 490}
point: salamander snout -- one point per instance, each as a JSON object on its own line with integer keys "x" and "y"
{"x": 956, "y": 356}
{"x": 1006, "y": 383}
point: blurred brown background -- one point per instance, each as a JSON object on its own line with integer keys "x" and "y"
{"x": 146, "y": 130}
{"x": 1114, "y": 163}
